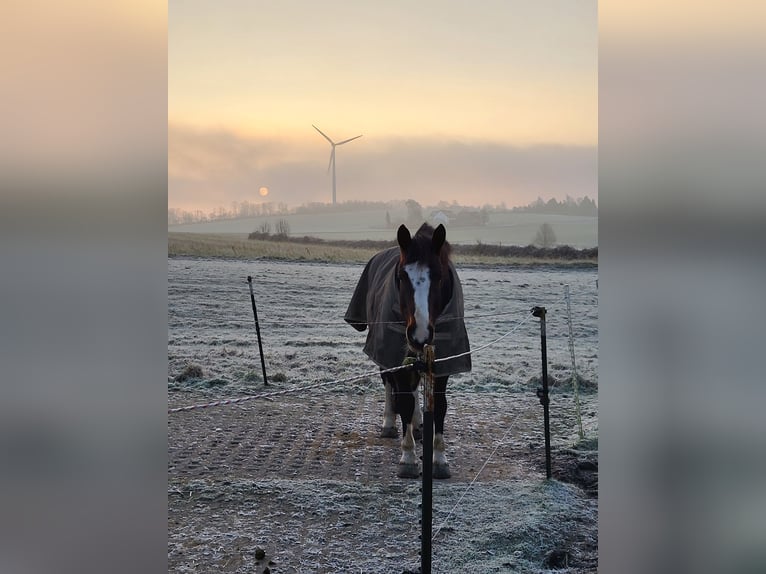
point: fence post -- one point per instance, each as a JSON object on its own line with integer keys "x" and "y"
{"x": 428, "y": 446}
{"x": 542, "y": 392}
{"x": 575, "y": 381}
{"x": 257, "y": 329}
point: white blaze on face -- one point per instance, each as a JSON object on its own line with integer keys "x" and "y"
{"x": 421, "y": 284}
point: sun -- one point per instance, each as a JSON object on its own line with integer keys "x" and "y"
{"x": 264, "y": 191}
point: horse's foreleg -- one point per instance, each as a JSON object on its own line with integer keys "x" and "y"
{"x": 440, "y": 466}
{"x": 408, "y": 463}
{"x": 417, "y": 417}
{"x": 389, "y": 413}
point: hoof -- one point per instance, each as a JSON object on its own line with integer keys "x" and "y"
{"x": 389, "y": 432}
{"x": 417, "y": 433}
{"x": 408, "y": 470}
{"x": 441, "y": 471}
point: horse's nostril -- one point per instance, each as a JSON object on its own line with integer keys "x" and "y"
{"x": 413, "y": 340}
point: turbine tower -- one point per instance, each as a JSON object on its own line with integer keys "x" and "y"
{"x": 332, "y": 156}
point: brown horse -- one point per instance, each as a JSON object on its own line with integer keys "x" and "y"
{"x": 410, "y": 297}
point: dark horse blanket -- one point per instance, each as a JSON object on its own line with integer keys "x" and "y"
{"x": 375, "y": 303}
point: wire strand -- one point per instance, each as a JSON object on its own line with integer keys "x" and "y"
{"x": 286, "y": 391}
{"x": 475, "y": 478}
{"x": 356, "y": 377}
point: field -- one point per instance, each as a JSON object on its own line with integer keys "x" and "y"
{"x": 505, "y": 228}
{"x": 232, "y": 246}
{"x": 301, "y": 482}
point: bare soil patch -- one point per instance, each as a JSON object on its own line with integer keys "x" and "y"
{"x": 309, "y": 481}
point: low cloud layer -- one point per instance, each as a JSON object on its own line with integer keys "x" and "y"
{"x": 213, "y": 168}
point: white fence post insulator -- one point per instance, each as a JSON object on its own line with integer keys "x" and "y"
{"x": 575, "y": 378}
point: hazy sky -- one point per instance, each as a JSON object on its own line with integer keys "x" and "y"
{"x": 475, "y": 102}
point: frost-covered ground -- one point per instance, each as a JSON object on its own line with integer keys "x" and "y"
{"x": 305, "y": 477}
{"x": 301, "y": 305}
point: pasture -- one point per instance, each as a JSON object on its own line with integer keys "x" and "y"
{"x": 301, "y": 481}
{"x": 503, "y": 228}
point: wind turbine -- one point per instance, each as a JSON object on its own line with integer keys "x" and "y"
{"x": 332, "y": 156}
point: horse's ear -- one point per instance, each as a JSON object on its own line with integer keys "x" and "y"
{"x": 437, "y": 241}
{"x": 404, "y": 238}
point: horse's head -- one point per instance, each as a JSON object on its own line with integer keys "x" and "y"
{"x": 423, "y": 271}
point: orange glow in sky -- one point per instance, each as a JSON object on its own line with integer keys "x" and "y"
{"x": 496, "y": 73}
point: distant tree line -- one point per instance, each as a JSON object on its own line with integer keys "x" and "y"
{"x": 238, "y": 210}
{"x": 569, "y": 206}
{"x": 458, "y": 214}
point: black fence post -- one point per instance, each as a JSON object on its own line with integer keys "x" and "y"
{"x": 427, "y": 510}
{"x": 428, "y": 448}
{"x": 542, "y": 392}
{"x": 257, "y": 328}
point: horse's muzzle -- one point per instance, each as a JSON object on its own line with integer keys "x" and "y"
{"x": 416, "y": 345}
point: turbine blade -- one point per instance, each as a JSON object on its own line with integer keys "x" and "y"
{"x": 323, "y": 134}
{"x": 332, "y": 159}
{"x": 349, "y": 139}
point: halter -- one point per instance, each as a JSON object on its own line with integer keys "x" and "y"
{"x": 423, "y": 363}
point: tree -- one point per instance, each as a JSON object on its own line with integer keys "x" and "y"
{"x": 282, "y": 228}
{"x": 588, "y": 206}
{"x": 545, "y": 236}
{"x": 414, "y": 212}
{"x": 552, "y": 206}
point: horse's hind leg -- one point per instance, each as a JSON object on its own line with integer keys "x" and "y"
{"x": 440, "y": 466}
{"x": 389, "y": 412}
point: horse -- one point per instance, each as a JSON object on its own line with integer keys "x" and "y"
{"x": 410, "y": 296}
